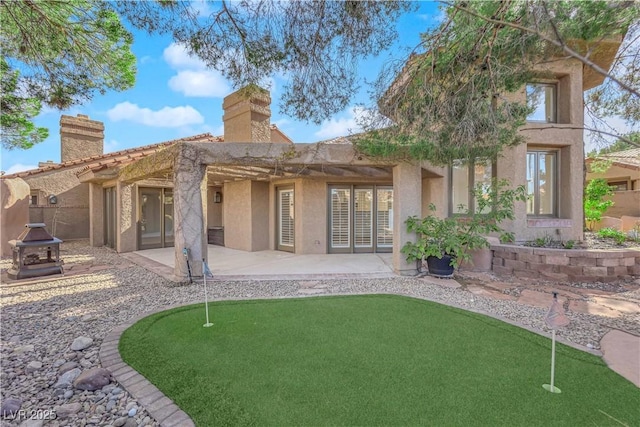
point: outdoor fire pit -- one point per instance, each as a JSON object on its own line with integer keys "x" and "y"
{"x": 35, "y": 253}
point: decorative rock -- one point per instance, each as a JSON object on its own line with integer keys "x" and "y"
{"x": 32, "y": 423}
{"x": 10, "y": 407}
{"x": 59, "y": 363}
{"x": 33, "y": 366}
{"x": 131, "y": 423}
{"x": 67, "y": 366}
{"x": 110, "y": 405}
{"x": 93, "y": 379}
{"x": 68, "y": 394}
{"x": 24, "y": 349}
{"x": 132, "y": 412}
{"x": 64, "y": 411}
{"x": 67, "y": 378}
{"x": 116, "y": 391}
{"x": 81, "y": 343}
{"x": 120, "y": 422}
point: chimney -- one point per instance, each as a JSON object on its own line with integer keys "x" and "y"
{"x": 246, "y": 115}
{"x": 80, "y": 137}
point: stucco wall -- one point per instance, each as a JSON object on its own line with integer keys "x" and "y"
{"x": 237, "y": 215}
{"x": 14, "y": 210}
{"x": 625, "y": 203}
{"x": 126, "y": 202}
{"x": 564, "y": 136}
{"x": 65, "y": 223}
{"x": 71, "y": 212}
{"x": 311, "y": 227}
{"x": 618, "y": 173}
{"x": 214, "y": 210}
{"x": 259, "y": 216}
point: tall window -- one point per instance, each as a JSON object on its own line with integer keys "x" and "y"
{"x": 464, "y": 178}
{"x": 542, "y": 98}
{"x": 542, "y": 183}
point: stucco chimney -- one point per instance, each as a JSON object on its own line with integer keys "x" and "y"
{"x": 247, "y": 115}
{"x": 80, "y": 137}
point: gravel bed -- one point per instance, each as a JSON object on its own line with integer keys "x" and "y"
{"x": 40, "y": 322}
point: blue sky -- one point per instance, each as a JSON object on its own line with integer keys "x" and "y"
{"x": 175, "y": 96}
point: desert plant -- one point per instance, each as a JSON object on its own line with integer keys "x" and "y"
{"x": 594, "y": 203}
{"x": 611, "y": 233}
{"x": 457, "y": 235}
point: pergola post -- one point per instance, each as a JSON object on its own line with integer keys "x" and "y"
{"x": 189, "y": 221}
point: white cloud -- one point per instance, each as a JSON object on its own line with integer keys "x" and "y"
{"x": 19, "y": 167}
{"x": 356, "y": 117}
{"x": 339, "y": 127}
{"x": 204, "y": 84}
{"x": 435, "y": 18}
{"x": 194, "y": 79}
{"x": 201, "y": 7}
{"x": 177, "y": 57}
{"x": 168, "y": 117}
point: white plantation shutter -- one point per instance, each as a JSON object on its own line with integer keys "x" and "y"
{"x": 384, "y": 217}
{"x": 340, "y": 217}
{"x": 286, "y": 213}
{"x": 362, "y": 221}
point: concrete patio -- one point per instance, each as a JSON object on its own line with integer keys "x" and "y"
{"x": 232, "y": 264}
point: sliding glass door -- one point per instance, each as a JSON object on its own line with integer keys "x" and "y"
{"x": 155, "y": 227}
{"x": 360, "y": 218}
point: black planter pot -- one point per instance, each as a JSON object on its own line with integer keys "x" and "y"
{"x": 440, "y": 267}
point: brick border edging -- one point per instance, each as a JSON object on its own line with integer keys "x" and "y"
{"x": 159, "y": 406}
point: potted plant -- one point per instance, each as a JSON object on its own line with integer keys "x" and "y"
{"x": 445, "y": 242}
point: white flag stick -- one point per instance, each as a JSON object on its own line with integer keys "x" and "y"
{"x": 206, "y": 301}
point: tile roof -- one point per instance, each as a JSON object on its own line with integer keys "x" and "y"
{"x": 627, "y": 157}
{"x": 99, "y": 162}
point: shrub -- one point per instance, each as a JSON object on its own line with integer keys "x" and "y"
{"x": 612, "y": 233}
{"x": 594, "y": 203}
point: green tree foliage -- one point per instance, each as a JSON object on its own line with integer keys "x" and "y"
{"x": 314, "y": 43}
{"x": 58, "y": 53}
{"x": 595, "y": 204}
{"x": 18, "y": 111}
{"x": 452, "y": 98}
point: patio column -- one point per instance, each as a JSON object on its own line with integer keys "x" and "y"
{"x": 407, "y": 200}
{"x": 189, "y": 220}
{"x": 96, "y": 214}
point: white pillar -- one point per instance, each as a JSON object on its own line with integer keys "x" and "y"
{"x": 407, "y": 201}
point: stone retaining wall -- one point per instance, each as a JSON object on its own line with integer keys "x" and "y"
{"x": 565, "y": 265}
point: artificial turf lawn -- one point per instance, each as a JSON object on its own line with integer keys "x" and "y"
{"x": 368, "y": 360}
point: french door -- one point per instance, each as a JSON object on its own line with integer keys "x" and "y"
{"x": 155, "y": 228}
{"x": 360, "y": 218}
{"x": 286, "y": 219}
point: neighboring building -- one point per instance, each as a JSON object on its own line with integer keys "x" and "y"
{"x": 624, "y": 176}
{"x": 257, "y": 190}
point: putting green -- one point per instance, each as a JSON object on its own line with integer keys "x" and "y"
{"x": 368, "y": 360}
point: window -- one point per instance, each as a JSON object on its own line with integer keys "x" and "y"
{"x": 464, "y": 178}
{"x": 542, "y": 183}
{"x": 542, "y": 98}
{"x": 33, "y": 198}
{"x": 619, "y": 185}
